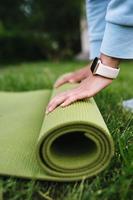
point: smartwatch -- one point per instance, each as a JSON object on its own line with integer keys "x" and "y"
{"x": 98, "y": 68}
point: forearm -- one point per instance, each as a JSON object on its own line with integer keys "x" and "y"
{"x": 118, "y": 36}
{"x": 96, "y": 11}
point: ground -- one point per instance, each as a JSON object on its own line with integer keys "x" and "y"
{"x": 113, "y": 183}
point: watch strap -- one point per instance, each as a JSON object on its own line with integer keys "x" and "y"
{"x": 103, "y": 70}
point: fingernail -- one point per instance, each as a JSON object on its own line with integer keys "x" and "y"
{"x": 55, "y": 86}
{"x": 71, "y": 81}
{"x": 46, "y": 111}
{"x": 62, "y": 105}
{"x": 50, "y": 109}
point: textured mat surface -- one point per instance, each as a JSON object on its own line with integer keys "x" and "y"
{"x": 68, "y": 144}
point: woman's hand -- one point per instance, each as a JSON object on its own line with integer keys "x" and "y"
{"x": 90, "y": 86}
{"x": 73, "y": 77}
{"x": 87, "y": 88}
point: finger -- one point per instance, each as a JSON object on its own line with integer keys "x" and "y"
{"x": 69, "y": 101}
{"x": 71, "y": 81}
{"x": 62, "y": 80}
{"x": 72, "y": 96}
{"x": 60, "y": 95}
{"x": 58, "y": 99}
{"x": 56, "y": 102}
{"x": 75, "y": 80}
{"x": 78, "y": 95}
{"x": 53, "y": 100}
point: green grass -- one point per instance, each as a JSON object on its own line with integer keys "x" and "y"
{"x": 116, "y": 182}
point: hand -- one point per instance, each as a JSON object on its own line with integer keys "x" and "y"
{"x": 73, "y": 77}
{"x": 87, "y": 88}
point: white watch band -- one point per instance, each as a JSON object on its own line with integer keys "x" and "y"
{"x": 106, "y": 71}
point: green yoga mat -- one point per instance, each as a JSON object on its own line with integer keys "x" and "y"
{"x": 68, "y": 144}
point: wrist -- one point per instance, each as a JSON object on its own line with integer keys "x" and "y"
{"x": 107, "y": 69}
{"x": 110, "y": 61}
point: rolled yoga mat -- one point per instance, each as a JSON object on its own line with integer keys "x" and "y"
{"x": 68, "y": 144}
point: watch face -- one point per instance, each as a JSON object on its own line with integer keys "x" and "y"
{"x": 94, "y": 64}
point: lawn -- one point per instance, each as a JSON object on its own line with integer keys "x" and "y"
{"x": 116, "y": 182}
